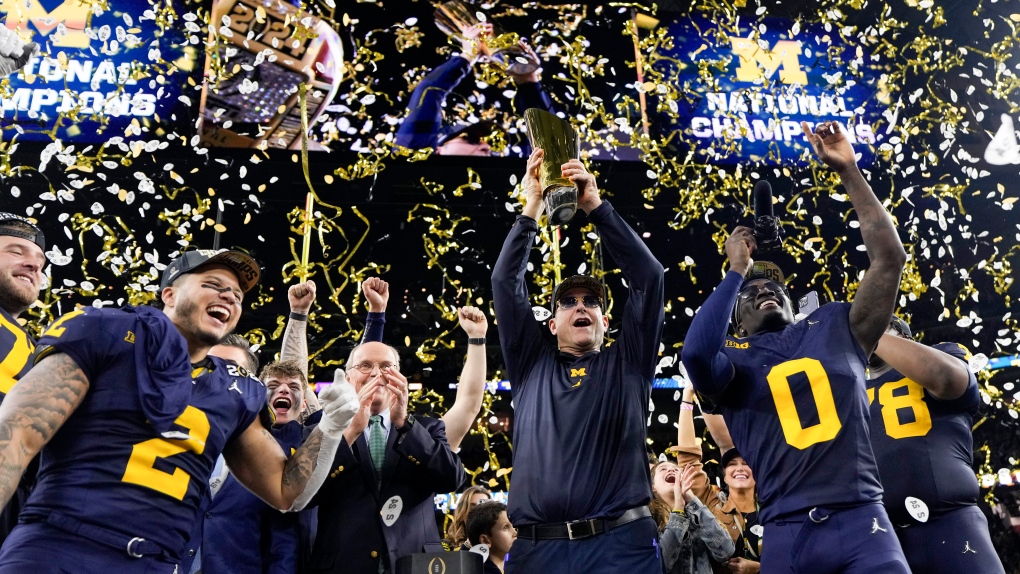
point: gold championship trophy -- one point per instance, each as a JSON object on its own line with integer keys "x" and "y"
{"x": 274, "y": 48}
{"x": 559, "y": 141}
{"x": 454, "y": 17}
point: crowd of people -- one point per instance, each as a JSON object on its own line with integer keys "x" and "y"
{"x": 148, "y": 438}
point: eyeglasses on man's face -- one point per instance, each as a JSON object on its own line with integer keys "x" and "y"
{"x": 590, "y": 301}
{"x": 751, "y": 291}
{"x": 366, "y": 367}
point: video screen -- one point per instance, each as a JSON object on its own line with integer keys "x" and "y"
{"x": 113, "y": 70}
{"x": 449, "y": 78}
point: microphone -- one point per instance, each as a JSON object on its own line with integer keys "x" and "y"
{"x": 767, "y": 232}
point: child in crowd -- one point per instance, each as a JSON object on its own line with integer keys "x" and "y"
{"x": 488, "y": 524}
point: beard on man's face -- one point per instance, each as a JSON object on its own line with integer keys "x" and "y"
{"x": 188, "y": 313}
{"x": 14, "y": 297}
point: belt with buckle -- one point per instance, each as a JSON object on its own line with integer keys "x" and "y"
{"x": 580, "y": 529}
{"x": 135, "y": 547}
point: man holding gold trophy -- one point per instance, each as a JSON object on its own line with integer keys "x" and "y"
{"x": 424, "y": 125}
{"x": 581, "y": 487}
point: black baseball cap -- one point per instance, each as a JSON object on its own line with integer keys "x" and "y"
{"x": 730, "y": 454}
{"x": 473, "y": 133}
{"x": 36, "y": 236}
{"x": 241, "y": 263}
{"x": 581, "y": 281}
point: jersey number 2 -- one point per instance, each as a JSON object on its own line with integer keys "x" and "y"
{"x": 141, "y": 468}
{"x": 821, "y": 390}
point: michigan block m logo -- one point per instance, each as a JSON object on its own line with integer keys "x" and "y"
{"x": 71, "y": 13}
{"x": 785, "y": 53}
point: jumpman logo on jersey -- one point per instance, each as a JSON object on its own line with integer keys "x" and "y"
{"x": 580, "y": 373}
{"x": 875, "y": 527}
{"x": 234, "y": 387}
{"x": 967, "y": 549}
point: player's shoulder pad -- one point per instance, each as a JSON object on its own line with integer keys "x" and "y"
{"x": 837, "y": 308}
{"x": 90, "y": 327}
{"x": 88, "y": 319}
{"x": 955, "y": 349}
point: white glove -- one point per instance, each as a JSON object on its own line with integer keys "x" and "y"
{"x": 14, "y": 52}
{"x": 339, "y": 406}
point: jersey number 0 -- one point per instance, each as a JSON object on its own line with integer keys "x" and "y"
{"x": 821, "y": 391}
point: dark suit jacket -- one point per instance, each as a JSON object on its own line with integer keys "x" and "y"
{"x": 351, "y": 536}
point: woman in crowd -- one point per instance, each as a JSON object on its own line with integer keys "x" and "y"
{"x": 456, "y": 534}
{"x": 691, "y": 535}
{"x": 737, "y": 513}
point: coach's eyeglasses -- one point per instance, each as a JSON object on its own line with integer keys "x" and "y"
{"x": 590, "y": 301}
{"x": 751, "y": 291}
{"x": 366, "y": 367}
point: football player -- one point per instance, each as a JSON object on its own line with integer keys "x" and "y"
{"x": 793, "y": 394}
{"x": 922, "y": 404}
{"x": 131, "y": 414}
{"x": 22, "y": 260}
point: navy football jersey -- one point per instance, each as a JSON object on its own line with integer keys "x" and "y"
{"x": 798, "y": 411}
{"x": 16, "y": 348}
{"x": 923, "y": 445}
{"x": 107, "y": 465}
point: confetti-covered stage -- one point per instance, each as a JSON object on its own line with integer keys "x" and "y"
{"x": 144, "y": 128}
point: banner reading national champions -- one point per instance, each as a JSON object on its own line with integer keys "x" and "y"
{"x": 745, "y": 91}
{"x": 106, "y": 69}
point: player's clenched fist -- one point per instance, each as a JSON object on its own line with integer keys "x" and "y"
{"x": 377, "y": 292}
{"x": 473, "y": 321}
{"x": 301, "y": 296}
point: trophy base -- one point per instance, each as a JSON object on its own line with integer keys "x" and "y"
{"x": 561, "y": 204}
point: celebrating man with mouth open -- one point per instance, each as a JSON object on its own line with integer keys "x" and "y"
{"x": 581, "y": 485}
{"x": 132, "y": 413}
{"x": 793, "y": 394}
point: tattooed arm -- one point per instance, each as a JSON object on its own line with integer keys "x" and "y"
{"x": 256, "y": 460}
{"x": 875, "y": 300}
{"x": 295, "y": 336}
{"x": 33, "y": 412}
{"x": 295, "y": 339}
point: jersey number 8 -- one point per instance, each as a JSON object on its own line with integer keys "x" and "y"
{"x": 891, "y": 405}
{"x": 141, "y": 468}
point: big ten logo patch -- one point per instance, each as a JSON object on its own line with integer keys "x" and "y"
{"x": 736, "y": 345}
{"x": 757, "y": 61}
{"x": 64, "y": 25}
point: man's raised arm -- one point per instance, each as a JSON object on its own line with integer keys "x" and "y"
{"x": 33, "y": 411}
{"x": 875, "y": 300}
{"x": 295, "y": 336}
{"x": 644, "y": 314}
{"x": 707, "y": 366}
{"x": 945, "y": 376}
{"x": 377, "y": 293}
{"x": 515, "y": 320}
{"x": 471, "y": 387}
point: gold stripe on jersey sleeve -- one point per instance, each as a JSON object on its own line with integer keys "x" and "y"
{"x": 16, "y": 357}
